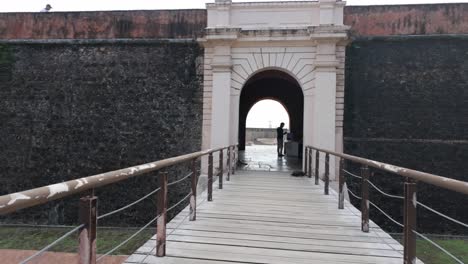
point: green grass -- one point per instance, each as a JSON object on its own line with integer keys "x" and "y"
{"x": 429, "y": 254}
{"x": 33, "y": 238}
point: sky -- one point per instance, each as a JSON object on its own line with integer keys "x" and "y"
{"x": 267, "y": 114}
{"x": 87, "y": 5}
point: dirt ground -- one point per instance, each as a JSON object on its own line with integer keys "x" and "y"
{"x": 8, "y": 256}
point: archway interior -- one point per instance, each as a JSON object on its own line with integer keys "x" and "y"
{"x": 267, "y": 113}
{"x": 275, "y": 85}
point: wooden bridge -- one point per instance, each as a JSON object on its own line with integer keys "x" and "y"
{"x": 272, "y": 217}
{"x": 253, "y": 216}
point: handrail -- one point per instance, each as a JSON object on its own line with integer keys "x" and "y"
{"x": 447, "y": 183}
{"x": 410, "y": 202}
{"x": 24, "y": 199}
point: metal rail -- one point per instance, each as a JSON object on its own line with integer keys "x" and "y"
{"x": 409, "y": 199}
{"x": 443, "y": 182}
{"x": 20, "y": 200}
{"x": 88, "y": 204}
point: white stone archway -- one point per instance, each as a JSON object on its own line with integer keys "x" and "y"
{"x": 304, "y": 39}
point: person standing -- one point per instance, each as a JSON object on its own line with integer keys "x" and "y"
{"x": 280, "y": 139}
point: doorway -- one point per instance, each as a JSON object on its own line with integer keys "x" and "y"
{"x": 270, "y": 87}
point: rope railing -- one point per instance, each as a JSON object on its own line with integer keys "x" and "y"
{"x": 438, "y": 246}
{"x": 385, "y": 214}
{"x": 179, "y": 202}
{"x": 128, "y": 205}
{"x": 409, "y": 197}
{"x": 58, "y": 240}
{"x": 354, "y": 195}
{"x": 88, "y": 203}
{"x": 15, "y": 201}
{"x": 443, "y": 215}
{"x": 384, "y": 193}
{"x": 351, "y": 174}
{"x": 172, "y": 231}
{"x": 128, "y": 239}
{"x": 180, "y": 180}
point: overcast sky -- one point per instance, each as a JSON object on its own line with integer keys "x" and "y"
{"x": 267, "y": 113}
{"x": 79, "y": 5}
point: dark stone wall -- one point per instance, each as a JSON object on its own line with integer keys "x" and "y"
{"x": 68, "y": 111}
{"x": 406, "y": 103}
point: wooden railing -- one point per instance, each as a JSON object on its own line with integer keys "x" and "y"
{"x": 411, "y": 177}
{"x": 88, "y": 216}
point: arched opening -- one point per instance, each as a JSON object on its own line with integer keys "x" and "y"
{"x": 262, "y": 120}
{"x": 283, "y": 88}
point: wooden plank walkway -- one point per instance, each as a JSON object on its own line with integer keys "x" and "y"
{"x": 271, "y": 217}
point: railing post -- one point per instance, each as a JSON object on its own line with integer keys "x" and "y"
{"x": 87, "y": 234}
{"x": 365, "y": 199}
{"x": 221, "y": 169}
{"x": 193, "y": 197}
{"x": 306, "y": 155}
{"x": 341, "y": 181}
{"x": 327, "y": 173}
{"x": 228, "y": 178}
{"x": 210, "y": 177}
{"x": 317, "y": 166}
{"x": 310, "y": 163}
{"x": 409, "y": 252}
{"x": 161, "y": 204}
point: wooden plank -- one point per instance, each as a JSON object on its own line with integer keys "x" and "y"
{"x": 262, "y": 217}
{"x": 292, "y": 240}
{"x": 220, "y": 252}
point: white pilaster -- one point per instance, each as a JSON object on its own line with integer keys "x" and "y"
{"x": 220, "y": 125}
{"x": 234, "y": 120}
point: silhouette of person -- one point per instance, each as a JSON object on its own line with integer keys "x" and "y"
{"x": 47, "y": 8}
{"x": 280, "y": 139}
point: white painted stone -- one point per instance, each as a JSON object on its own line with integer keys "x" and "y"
{"x": 301, "y": 39}
{"x": 16, "y": 197}
{"x": 56, "y": 189}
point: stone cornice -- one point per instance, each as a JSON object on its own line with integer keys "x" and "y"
{"x": 226, "y": 35}
{"x": 282, "y": 4}
{"x": 329, "y": 33}
{"x": 219, "y": 36}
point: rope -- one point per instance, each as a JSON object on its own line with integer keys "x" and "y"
{"x": 128, "y": 239}
{"x": 384, "y": 193}
{"x": 389, "y": 217}
{"x": 439, "y": 247}
{"x": 52, "y": 244}
{"x": 441, "y": 214}
{"x": 174, "y": 229}
{"x": 175, "y": 205}
{"x": 141, "y": 199}
{"x": 175, "y": 182}
{"x": 128, "y": 205}
{"x": 350, "y": 192}
{"x": 351, "y": 174}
